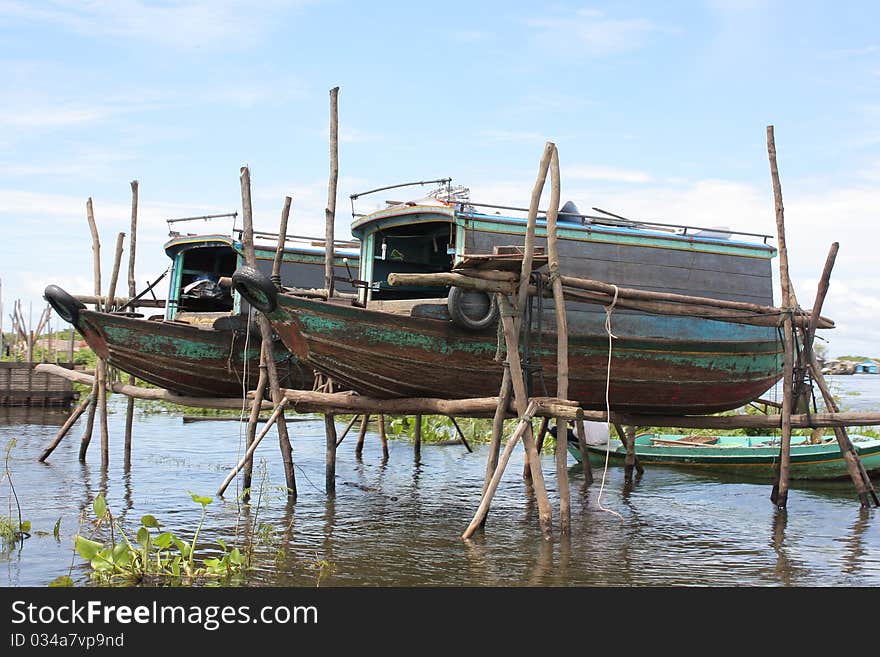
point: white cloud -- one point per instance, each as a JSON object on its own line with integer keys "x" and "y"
{"x": 52, "y": 116}
{"x": 590, "y": 32}
{"x": 610, "y": 174}
{"x": 180, "y": 23}
{"x": 512, "y": 135}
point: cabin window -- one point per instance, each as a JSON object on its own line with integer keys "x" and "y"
{"x": 413, "y": 248}
{"x": 200, "y": 289}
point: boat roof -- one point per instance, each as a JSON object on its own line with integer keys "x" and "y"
{"x": 587, "y": 226}
{"x": 307, "y": 246}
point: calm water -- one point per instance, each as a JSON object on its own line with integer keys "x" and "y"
{"x": 398, "y": 524}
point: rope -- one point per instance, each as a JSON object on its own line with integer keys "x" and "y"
{"x": 244, "y": 388}
{"x": 608, "y": 311}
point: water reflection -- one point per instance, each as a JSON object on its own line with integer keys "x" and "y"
{"x": 396, "y": 522}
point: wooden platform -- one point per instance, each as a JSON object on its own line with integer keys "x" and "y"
{"x": 21, "y": 386}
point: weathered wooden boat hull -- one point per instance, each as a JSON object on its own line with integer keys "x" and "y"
{"x": 713, "y": 366}
{"x": 756, "y": 460}
{"x": 183, "y": 358}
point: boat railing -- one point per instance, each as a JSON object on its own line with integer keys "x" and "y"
{"x": 604, "y": 217}
{"x": 609, "y": 219}
{"x": 237, "y": 232}
{"x": 438, "y": 181}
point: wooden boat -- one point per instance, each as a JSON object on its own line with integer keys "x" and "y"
{"x": 408, "y": 341}
{"x": 752, "y": 457}
{"x": 203, "y": 344}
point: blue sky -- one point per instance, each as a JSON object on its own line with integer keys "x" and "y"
{"x": 659, "y": 112}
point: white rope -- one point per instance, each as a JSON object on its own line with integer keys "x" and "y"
{"x": 608, "y": 311}
{"x": 244, "y": 389}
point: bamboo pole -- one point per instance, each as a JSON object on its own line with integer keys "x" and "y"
{"x": 266, "y": 332}
{"x": 779, "y": 494}
{"x": 132, "y": 292}
{"x": 330, "y": 211}
{"x": 359, "y": 448}
{"x": 524, "y": 426}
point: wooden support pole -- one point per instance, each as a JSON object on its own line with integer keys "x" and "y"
{"x": 460, "y": 434}
{"x": 524, "y": 426}
{"x": 779, "y": 494}
{"x": 561, "y": 345}
{"x": 329, "y": 232}
{"x": 150, "y": 393}
{"x": 417, "y": 438}
{"x": 251, "y": 429}
{"x": 380, "y": 421}
{"x": 86, "y": 439}
{"x": 511, "y": 336}
{"x": 821, "y": 293}
{"x": 282, "y": 237}
{"x": 581, "y": 434}
{"x": 79, "y": 410}
{"x": 330, "y": 457}
{"x": 359, "y": 448}
{"x": 539, "y": 445}
{"x": 354, "y": 418}
{"x": 860, "y": 478}
{"x": 330, "y": 212}
{"x": 96, "y": 251}
{"x": 132, "y": 292}
{"x": 96, "y": 268}
{"x": 497, "y": 428}
{"x": 249, "y": 455}
{"x": 247, "y": 239}
{"x": 101, "y": 368}
{"x": 600, "y": 293}
{"x": 629, "y": 461}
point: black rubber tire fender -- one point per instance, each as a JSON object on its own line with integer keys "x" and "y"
{"x": 256, "y": 288}
{"x": 63, "y": 303}
{"x": 461, "y": 304}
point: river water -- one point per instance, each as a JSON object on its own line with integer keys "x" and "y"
{"x": 396, "y": 523}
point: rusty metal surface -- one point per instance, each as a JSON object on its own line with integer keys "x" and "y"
{"x": 186, "y": 359}
{"x": 387, "y": 356}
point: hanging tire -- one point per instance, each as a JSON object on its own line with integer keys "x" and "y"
{"x": 256, "y": 288}
{"x": 63, "y": 303}
{"x": 472, "y": 310}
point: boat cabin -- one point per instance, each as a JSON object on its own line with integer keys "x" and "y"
{"x": 435, "y": 233}
{"x": 202, "y": 266}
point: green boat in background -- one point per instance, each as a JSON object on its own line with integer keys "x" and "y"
{"x": 751, "y": 457}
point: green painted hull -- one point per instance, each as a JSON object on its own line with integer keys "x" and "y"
{"x": 749, "y": 457}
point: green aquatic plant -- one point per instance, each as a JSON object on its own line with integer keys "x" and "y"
{"x": 12, "y": 530}
{"x": 153, "y": 555}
